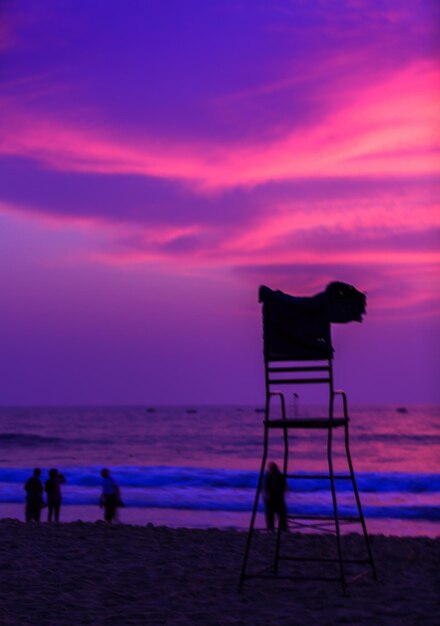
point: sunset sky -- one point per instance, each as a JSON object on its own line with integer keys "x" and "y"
{"x": 159, "y": 160}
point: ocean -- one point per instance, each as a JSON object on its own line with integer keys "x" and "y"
{"x": 198, "y": 466}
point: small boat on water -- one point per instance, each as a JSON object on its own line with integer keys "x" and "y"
{"x": 401, "y": 409}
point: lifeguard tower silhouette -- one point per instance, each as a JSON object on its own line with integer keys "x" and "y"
{"x": 298, "y": 351}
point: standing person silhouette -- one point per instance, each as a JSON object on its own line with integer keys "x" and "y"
{"x": 110, "y": 496}
{"x": 274, "y": 497}
{"x": 34, "y": 496}
{"x": 53, "y": 489}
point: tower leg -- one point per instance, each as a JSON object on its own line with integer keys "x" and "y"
{"x": 335, "y": 506}
{"x": 285, "y": 462}
{"x": 254, "y": 510}
{"x": 358, "y": 502}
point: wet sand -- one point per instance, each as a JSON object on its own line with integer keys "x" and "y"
{"x": 84, "y": 573}
{"x": 187, "y": 518}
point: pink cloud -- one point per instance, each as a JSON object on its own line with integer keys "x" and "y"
{"x": 371, "y": 243}
{"x": 389, "y": 129}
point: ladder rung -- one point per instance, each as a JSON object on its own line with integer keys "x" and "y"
{"x": 297, "y": 381}
{"x": 318, "y": 560}
{"x": 286, "y": 577}
{"x": 324, "y": 518}
{"x": 319, "y": 476}
{"x": 308, "y": 368}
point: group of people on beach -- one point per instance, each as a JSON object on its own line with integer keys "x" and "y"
{"x": 109, "y": 500}
{"x": 35, "y": 495}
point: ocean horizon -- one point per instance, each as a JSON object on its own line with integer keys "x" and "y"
{"x": 198, "y": 466}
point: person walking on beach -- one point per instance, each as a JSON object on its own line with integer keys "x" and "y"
{"x": 110, "y": 496}
{"x": 274, "y": 497}
{"x": 53, "y": 490}
{"x": 34, "y": 496}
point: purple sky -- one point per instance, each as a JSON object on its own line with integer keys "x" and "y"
{"x": 161, "y": 160}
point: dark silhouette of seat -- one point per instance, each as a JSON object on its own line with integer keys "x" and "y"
{"x": 298, "y": 351}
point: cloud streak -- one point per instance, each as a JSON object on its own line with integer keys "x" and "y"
{"x": 391, "y": 129}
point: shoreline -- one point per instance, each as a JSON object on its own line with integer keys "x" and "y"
{"x": 94, "y": 573}
{"x": 188, "y": 518}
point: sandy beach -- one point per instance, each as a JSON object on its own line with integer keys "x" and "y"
{"x": 83, "y": 573}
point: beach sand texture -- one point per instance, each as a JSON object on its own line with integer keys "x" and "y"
{"x": 83, "y": 573}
